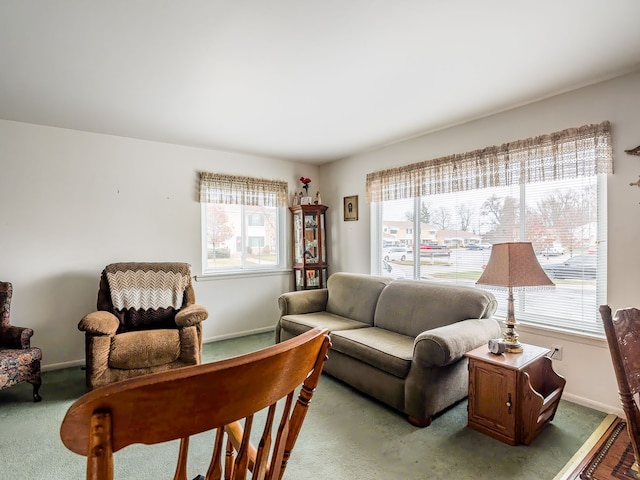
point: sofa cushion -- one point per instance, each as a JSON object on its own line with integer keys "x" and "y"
{"x": 410, "y": 307}
{"x": 383, "y": 349}
{"x": 354, "y": 296}
{"x": 144, "y": 349}
{"x": 300, "y": 323}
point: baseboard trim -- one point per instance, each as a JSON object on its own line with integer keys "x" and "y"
{"x": 61, "y": 365}
{"x": 601, "y": 407}
{"x": 217, "y": 338}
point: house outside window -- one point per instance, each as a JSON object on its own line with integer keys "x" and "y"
{"x": 256, "y": 220}
{"x": 564, "y": 219}
{"x": 242, "y": 224}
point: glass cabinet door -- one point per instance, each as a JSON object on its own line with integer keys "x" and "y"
{"x": 298, "y": 250}
{"x": 311, "y": 237}
{"x": 323, "y": 249}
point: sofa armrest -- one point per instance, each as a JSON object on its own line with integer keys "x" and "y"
{"x": 303, "y": 301}
{"x": 99, "y": 323}
{"x": 12, "y": 336}
{"x": 445, "y": 345}
{"x": 191, "y": 315}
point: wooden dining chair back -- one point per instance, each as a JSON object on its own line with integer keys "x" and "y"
{"x": 623, "y": 336}
{"x": 221, "y": 396}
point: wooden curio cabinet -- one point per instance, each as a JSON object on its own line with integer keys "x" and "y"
{"x": 309, "y": 246}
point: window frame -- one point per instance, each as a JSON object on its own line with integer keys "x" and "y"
{"x": 279, "y": 266}
{"x": 569, "y": 154}
{"x": 247, "y": 193}
{"x": 537, "y": 320}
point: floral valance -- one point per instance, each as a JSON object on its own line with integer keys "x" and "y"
{"x": 230, "y": 189}
{"x": 571, "y": 153}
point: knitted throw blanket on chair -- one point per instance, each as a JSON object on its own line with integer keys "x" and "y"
{"x": 143, "y": 286}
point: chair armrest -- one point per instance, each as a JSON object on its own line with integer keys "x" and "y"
{"x": 445, "y": 345}
{"x": 99, "y": 323}
{"x": 303, "y": 301}
{"x": 191, "y": 315}
{"x": 12, "y": 336}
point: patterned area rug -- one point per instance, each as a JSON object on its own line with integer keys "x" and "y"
{"x": 610, "y": 458}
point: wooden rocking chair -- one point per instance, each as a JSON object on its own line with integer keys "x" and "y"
{"x": 623, "y": 337}
{"x": 177, "y": 404}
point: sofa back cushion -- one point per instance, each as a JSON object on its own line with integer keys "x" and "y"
{"x": 354, "y": 295}
{"x": 410, "y": 307}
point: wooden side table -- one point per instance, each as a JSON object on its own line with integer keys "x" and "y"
{"x": 512, "y": 396}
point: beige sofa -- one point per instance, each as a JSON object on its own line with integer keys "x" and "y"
{"x": 399, "y": 341}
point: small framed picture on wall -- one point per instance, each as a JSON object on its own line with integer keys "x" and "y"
{"x": 351, "y": 208}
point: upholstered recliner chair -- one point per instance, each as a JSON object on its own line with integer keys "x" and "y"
{"x": 19, "y": 361}
{"x": 147, "y": 321}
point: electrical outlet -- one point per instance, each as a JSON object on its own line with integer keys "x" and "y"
{"x": 556, "y": 352}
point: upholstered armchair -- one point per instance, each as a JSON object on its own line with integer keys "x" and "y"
{"x": 19, "y": 361}
{"x": 146, "y": 321}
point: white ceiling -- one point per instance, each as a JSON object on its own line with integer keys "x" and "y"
{"x": 305, "y": 80}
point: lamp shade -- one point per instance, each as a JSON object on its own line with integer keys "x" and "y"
{"x": 514, "y": 264}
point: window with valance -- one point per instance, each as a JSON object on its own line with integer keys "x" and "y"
{"x": 549, "y": 190}
{"x": 243, "y": 223}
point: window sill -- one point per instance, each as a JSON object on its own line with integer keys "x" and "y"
{"x": 558, "y": 333}
{"x": 240, "y": 274}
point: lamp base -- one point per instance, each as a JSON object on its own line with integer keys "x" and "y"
{"x": 511, "y": 338}
{"x": 517, "y": 348}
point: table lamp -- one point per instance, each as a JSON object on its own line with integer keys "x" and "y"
{"x": 513, "y": 265}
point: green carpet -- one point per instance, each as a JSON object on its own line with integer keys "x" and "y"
{"x": 345, "y": 436}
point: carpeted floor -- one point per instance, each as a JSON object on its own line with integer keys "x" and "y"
{"x": 346, "y": 436}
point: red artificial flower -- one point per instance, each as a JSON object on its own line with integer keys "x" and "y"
{"x": 305, "y": 184}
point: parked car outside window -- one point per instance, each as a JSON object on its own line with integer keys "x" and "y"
{"x": 395, "y": 253}
{"x": 479, "y": 246}
{"x": 551, "y": 250}
{"x": 434, "y": 250}
{"x": 580, "y": 267}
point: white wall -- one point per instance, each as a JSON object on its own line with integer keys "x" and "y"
{"x": 75, "y": 201}
{"x": 72, "y": 202}
{"x": 586, "y": 363}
